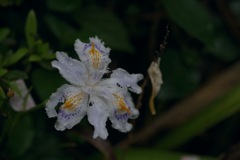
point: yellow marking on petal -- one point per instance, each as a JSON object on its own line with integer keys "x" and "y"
{"x": 95, "y": 56}
{"x": 73, "y": 101}
{"x": 120, "y": 103}
{"x": 68, "y": 104}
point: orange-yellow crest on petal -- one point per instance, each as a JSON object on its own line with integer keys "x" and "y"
{"x": 120, "y": 103}
{"x": 73, "y": 101}
{"x": 95, "y": 56}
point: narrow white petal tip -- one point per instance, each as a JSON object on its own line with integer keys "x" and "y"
{"x": 103, "y": 135}
{"x": 138, "y": 90}
{"x": 125, "y": 127}
{"x": 135, "y": 114}
{"x": 54, "y": 63}
{"x": 139, "y": 77}
{"x": 59, "y": 127}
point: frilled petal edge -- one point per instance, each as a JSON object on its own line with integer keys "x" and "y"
{"x": 123, "y": 109}
{"x": 72, "y": 110}
{"x": 126, "y": 80}
{"x": 94, "y": 55}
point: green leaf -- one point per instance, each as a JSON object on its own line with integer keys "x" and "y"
{"x": 31, "y": 28}
{"x": 180, "y": 82}
{"x": 192, "y": 17}
{"x": 2, "y": 94}
{"x": 3, "y": 33}
{"x": 14, "y": 58}
{"x": 155, "y": 154}
{"x": 216, "y": 112}
{"x": 3, "y": 71}
{"x": 15, "y": 74}
{"x": 63, "y": 5}
{"x": 43, "y": 50}
{"x": 2, "y": 99}
{"x": 35, "y": 58}
{"x": 46, "y": 65}
{"x": 6, "y": 3}
{"x": 223, "y": 46}
{"x": 21, "y": 136}
{"x": 46, "y": 82}
{"x": 62, "y": 30}
{"x": 96, "y": 21}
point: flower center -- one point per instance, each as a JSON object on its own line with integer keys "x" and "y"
{"x": 88, "y": 88}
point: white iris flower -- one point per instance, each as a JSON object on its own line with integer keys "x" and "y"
{"x": 89, "y": 94}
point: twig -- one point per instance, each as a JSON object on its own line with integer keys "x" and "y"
{"x": 102, "y": 145}
{"x": 187, "y": 108}
{"x": 164, "y": 44}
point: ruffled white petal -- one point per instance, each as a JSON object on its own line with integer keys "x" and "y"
{"x": 94, "y": 55}
{"x": 89, "y": 94}
{"x": 72, "y": 70}
{"x": 72, "y": 110}
{"x": 69, "y": 116}
{"x": 121, "y": 125}
{"x": 123, "y": 109}
{"x": 97, "y": 116}
{"x": 106, "y": 87}
{"x": 57, "y": 97}
{"x": 99, "y": 44}
{"x": 126, "y": 80}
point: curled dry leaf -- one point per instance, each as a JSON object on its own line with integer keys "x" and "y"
{"x": 156, "y": 80}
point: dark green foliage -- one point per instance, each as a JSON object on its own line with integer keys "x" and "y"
{"x": 203, "y": 42}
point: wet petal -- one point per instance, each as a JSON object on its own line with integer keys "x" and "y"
{"x": 57, "y": 97}
{"x": 126, "y": 80}
{"x": 97, "y": 116}
{"x": 71, "y": 69}
{"x": 106, "y": 87}
{"x": 94, "y": 55}
{"x": 72, "y": 110}
{"x": 123, "y": 109}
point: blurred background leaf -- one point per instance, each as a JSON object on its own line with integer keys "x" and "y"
{"x": 180, "y": 82}
{"x": 154, "y": 154}
{"x": 219, "y": 110}
{"x": 198, "y": 111}
{"x": 21, "y": 136}
{"x": 15, "y": 57}
{"x": 63, "y": 5}
{"x": 31, "y": 28}
{"x": 105, "y": 25}
{"x": 3, "y": 33}
{"x": 42, "y": 78}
